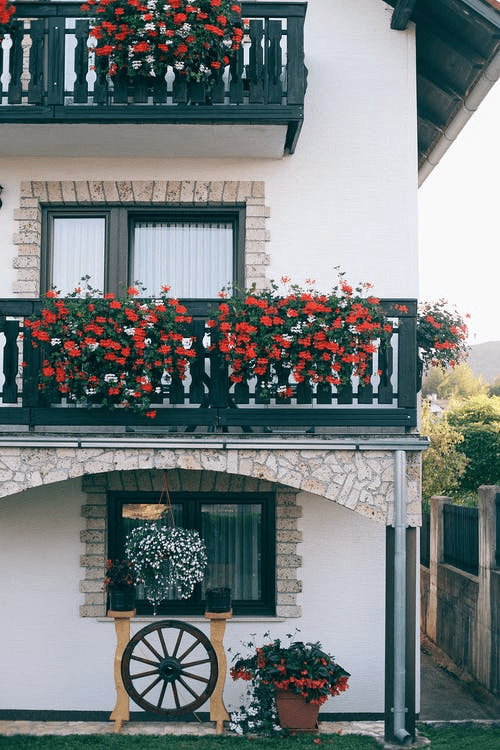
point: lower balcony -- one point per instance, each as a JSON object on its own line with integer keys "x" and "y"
{"x": 54, "y": 104}
{"x": 207, "y": 401}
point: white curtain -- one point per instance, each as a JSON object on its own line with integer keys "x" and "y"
{"x": 233, "y": 535}
{"x": 194, "y": 259}
{"x": 78, "y": 246}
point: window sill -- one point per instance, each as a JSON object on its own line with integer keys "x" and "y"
{"x": 198, "y": 618}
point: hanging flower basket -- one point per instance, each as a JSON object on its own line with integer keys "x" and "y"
{"x": 441, "y": 335}
{"x": 7, "y": 10}
{"x": 166, "y": 559}
{"x": 114, "y": 352}
{"x": 196, "y": 38}
{"x": 300, "y": 335}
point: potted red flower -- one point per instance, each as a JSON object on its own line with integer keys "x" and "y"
{"x": 7, "y": 10}
{"x": 299, "y": 336}
{"x": 143, "y": 37}
{"x": 299, "y": 676}
{"x": 119, "y": 583}
{"x": 115, "y": 352}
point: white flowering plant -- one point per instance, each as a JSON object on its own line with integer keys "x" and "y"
{"x": 166, "y": 558}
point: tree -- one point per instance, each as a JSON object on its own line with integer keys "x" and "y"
{"x": 461, "y": 382}
{"x": 478, "y": 421}
{"x": 443, "y": 464}
{"x": 432, "y": 380}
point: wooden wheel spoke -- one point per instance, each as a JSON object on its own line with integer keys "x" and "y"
{"x": 188, "y": 650}
{"x": 138, "y": 675}
{"x": 192, "y": 676}
{"x": 143, "y": 660}
{"x": 162, "y": 694}
{"x": 152, "y": 649}
{"x": 163, "y": 644}
{"x": 188, "y": 688}
{"x": 176, "y": 695}
{"x": 150, "y": 687}
{"x": 189, "y": 664}
{"x": 177, "y": 643}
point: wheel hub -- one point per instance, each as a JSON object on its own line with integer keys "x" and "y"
{"x": 170, "y": 669}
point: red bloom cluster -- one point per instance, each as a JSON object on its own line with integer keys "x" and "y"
{"x": 302, "y": 668}
{"x": 301, "y": 334}
{"x": 7, "y": 10}
{"x": 441, "y": 335}
{"x": 115, "y": 352}
{"x": 143, "y": 37}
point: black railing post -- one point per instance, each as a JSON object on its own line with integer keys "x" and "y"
{"x": 55, "y": 60}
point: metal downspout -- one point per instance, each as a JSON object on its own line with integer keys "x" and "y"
{"x": 400, "y": 732}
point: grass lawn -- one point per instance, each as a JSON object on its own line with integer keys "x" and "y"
{"x": 143, "y": 742}
{"x": 452, "y": 738}
{"x": 463, "y": 738}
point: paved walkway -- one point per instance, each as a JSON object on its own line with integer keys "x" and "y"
{"x": 448, "y": 694}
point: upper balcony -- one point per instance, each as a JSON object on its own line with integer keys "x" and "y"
{"x": 206, "y": 401}
{"x": 52, "y": 103}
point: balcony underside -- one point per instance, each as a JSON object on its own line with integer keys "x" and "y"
{"x": 153, "y": 139}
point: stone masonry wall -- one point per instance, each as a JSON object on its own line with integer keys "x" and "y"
{"x": 94, "y": 534}
{"x": 99, "y": 193}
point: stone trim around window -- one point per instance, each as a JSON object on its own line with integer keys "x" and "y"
{"x": 91, "y": 193}
{"x": 94, "y": 534}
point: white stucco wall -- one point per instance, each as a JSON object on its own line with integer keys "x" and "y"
{"x": 347, "y": 197}
{"x": 55, "y": 660}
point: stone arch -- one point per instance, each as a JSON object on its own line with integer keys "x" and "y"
{"x": 95, "y": 532}
{"x": 359, "y": 480}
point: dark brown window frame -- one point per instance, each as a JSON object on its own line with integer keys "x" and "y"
{"x": 119, "y": 223}
{"x": 191, "y": 503}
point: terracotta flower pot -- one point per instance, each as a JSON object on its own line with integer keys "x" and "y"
{"x": 294, "y": 713}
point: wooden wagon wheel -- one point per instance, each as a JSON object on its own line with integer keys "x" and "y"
{"x": 169, "y": 668}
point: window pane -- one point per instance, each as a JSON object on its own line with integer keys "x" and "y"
{"x": 233, "y": 535}
{"x": 77, "y": 251}
{"x": 194, "y": 259}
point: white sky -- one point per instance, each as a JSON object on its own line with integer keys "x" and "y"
{"x": 460, "y": 222}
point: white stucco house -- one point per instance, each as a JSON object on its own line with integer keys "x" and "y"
{"x": 309, "y": 162}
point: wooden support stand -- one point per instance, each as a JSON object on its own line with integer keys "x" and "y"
{"x": 121, "y": 710}
{"x": 218, "y": 712}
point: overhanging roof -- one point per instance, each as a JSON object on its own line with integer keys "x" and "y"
{"x": 458, "y": 61}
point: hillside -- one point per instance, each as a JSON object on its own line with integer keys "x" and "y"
{"x": 484, "y": 359}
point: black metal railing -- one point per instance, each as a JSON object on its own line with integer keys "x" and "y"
{"x": 208, "y": 399}
{"x": 497, "y": 538}
{"x": 51, "y": 75}
{"x": 425, "y": 540}
{"x": 461, "y": 537}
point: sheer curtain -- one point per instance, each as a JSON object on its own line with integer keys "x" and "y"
{"x": 233, "y": 534}
{"x": 194, "y": 258}
{"x": 78, "y": 247}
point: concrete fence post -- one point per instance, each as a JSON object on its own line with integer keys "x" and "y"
{"x": 482, "y": 654}
{"x": 435, "y": 557}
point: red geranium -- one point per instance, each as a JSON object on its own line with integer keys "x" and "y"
{"x": 143, "y": 38}
{"x": 7, "y": 10}
{"x": 300, "y": 336}
{"x": 111, "y": 352}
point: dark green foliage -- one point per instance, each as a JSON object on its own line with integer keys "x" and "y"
{"x": 478, "y": 420}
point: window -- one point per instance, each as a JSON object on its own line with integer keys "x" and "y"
{"x": 239, "y": 531}
{"x": 196, "y": 252}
